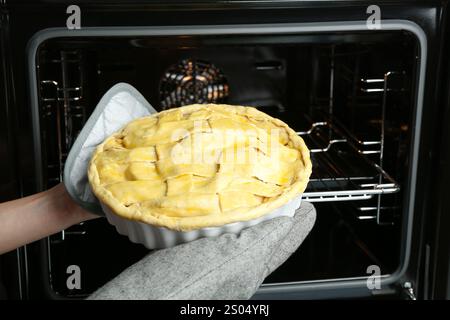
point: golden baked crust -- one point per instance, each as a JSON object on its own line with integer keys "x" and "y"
{"x": 200, "y": 166}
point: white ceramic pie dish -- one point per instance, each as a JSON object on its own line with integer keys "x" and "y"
{"x": 159, "y": 237}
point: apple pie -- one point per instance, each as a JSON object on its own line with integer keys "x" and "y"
{"x": 198, "y": 166}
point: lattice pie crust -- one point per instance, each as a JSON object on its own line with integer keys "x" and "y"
{"x": 200, "y": 166}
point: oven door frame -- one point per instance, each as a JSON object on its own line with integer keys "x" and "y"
{"x": 304, "y": 289}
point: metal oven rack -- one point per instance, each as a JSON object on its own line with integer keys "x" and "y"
{"x": 341, "y": 172}
{"x": 63, "y": 115}
{"x": 62, "y": 108}
{"x": 342, "y": 169}
{"x": 345, "y": 167}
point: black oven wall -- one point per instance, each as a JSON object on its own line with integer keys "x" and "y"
{"x": 11, "y": 263}
{"x": 25, "y": 19}
{"x": 437, "y": 251}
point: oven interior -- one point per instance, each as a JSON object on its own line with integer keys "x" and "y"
{"x": 349, "y": 95}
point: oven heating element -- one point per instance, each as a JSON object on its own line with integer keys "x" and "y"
{"x": 192, "y": 81}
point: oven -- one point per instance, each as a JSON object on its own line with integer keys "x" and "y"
{"x": 369, "y": 100}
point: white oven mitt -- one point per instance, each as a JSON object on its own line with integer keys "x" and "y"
{"x": 226, "y": 267}
{"x": 121, "y": 104}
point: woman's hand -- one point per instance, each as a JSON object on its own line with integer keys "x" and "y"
{"x": 75, "y": 213}
{"x": 34, "y": 217}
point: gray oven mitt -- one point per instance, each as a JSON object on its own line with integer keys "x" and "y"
{"x": 225, "y": 267}
{"x": 121, "y": 104}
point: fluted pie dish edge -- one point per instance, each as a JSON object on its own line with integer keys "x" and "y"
{"x": 160, "y": 237}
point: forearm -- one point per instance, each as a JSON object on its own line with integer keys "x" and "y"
{"x": 31, "y": 218}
